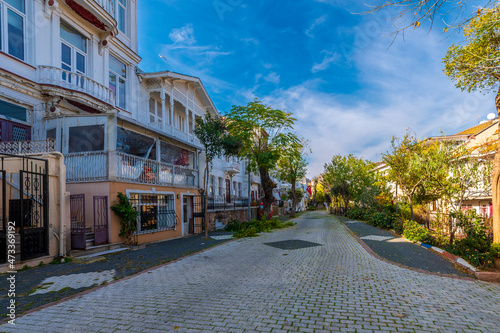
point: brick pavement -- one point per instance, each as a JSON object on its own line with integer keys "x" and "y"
{"x": 249, "y": 286}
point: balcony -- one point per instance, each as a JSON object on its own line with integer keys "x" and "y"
{"x": 99, "y": 13}
{"x": 177, "y": 134}
{"x": 231, "y": 168}
{"x": 59, "y": 82}
{"x": 104, "y": 166}
{"x": 27, "y": 147}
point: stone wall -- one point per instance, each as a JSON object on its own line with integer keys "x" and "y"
{"x": 229, "y": 215}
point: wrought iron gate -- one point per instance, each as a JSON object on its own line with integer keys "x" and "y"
{"x": 30, "y": 212}
{"x": 198, "y": 213}
{"x": 101, "y": 220}
{"x": 78, "y": 231}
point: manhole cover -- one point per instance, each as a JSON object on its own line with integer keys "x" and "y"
{"x": 293, "y": 244}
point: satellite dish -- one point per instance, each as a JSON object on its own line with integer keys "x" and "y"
{"x": 491, "y": 116}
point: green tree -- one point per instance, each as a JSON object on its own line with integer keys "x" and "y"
{"x": 264, "y": 134}
{"x": 291, "y": 167}
{"x": 347, "y": 178}
{"x": 474, "y": 66}
{"x": 216, "y": 140}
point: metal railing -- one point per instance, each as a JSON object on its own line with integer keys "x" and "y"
{"x": 28, "y": 147}
{"x": 145, "y": 171}
{"x": 222, "y": 202}
{"x": 74, "y": 81}
{"x": 107, "y": 5}
{"x": 86, "y": 167}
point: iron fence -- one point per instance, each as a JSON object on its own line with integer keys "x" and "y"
{"x": 223, "y": 202}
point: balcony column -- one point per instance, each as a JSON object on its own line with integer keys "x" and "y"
{"x": 186, "y": 127}
{"x": 163, "y": 110}
{"x": 192, "y": 124}
{"x": 172, "y": 122}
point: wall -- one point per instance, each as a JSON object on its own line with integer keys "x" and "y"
{"x": 229, "y": 215}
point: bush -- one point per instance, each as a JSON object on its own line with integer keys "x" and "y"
{"x": 495, "y": 250}
{"x": 383, "y": 219}
{"x": 357, "y": 213}
{"x": 418, "y": 233}
{"x": 250, "y": 229}
{"x": 398, "y": 226}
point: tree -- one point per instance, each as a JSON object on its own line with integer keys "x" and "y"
{"x": 463, "y": 175}
{"x": 412, "y": 13}
{"x": 474, "y": 66}
{"x": 264, "y": 134}
{"x": 213, "y": 135}
{"x": 291, "y": 167}
{"x": 347, "y": 178}
{"x": 411, "y": 163}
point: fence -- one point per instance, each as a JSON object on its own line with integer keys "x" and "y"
{"x": 221, "y": 202}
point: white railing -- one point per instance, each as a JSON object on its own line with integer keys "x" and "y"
{"x": 86, "y": 167}
{"x": 69, "y": 80}
{"x": 28, "y": 147}
{"x": 145, "y": 171}
{"x": 107, "y": 5}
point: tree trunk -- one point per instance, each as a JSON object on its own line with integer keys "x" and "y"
{"x": 411, "y": 208}
{"x": 495, "y": 182}
{"x": 294, "y": 200}
{"x": 205, "y": 181}
{"x": 268, "y": 185}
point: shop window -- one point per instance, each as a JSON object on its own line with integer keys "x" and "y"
{"x": 156, "y": 212}
{"x": 86, "y": 138}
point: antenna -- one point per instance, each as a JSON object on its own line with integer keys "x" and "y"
{"x": 491, "y": 116}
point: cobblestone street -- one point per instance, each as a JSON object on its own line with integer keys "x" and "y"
{"x": 274, "y": 282}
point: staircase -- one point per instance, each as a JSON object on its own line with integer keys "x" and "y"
{"x": 89, "y": 237}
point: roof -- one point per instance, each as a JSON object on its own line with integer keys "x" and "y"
{"x": 478, "y": 128}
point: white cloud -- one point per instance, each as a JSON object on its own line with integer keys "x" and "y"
{"x": 320, "y": 20}
{"x": 184, "y": 35}
{"x": 272, "y": 78}
{"x": 327, "y": 60}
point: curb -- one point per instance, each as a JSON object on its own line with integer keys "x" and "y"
{"x": 482, "y": 276}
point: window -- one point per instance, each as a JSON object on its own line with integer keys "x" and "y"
{"x": 12, "y": 111}
{"x": 117, "y": 80}
{"x": 156, "y": 212}
{"x": 180, "y": 123}
{"x": 135, "y": 144}
{"x": 212, "y": 185}
{"x": 221, "y": 186}
{"x": 86, "y": 138}
{"x": 12, "y": 21}
{"x": 176, "y": 155}
{"x": 121, "y": 14}
{"x": 73, "y": 52}
{"x": 155, "y": 111}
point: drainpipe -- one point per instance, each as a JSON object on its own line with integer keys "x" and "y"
{"x": 62, "y": 206}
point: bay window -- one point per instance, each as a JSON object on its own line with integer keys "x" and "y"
{"x": 73, "y": 52}
{"x": 117, "y": 80}
{"x": 12, "y": 27}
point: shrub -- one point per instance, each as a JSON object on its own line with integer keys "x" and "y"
{"x": 250, "y": 229}
{"x": 357, "y": 213}
{"x": 495, "y": 250}
{"x": 398, "y": 226}
{"x": 382, "y": 219}
{"x": 418, "y": 233}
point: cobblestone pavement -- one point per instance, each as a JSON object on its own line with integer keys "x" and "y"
{"x": 255, "y": 285}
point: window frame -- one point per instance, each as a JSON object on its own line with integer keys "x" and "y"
{"x": 124, "y": 6}
{"x": 166, "y": 205}
{"x": 118, "y": 77}
{"x": 158, "y": 109}
{"x": 4, "y": 28}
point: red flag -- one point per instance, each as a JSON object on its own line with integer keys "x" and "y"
{"x": 309, "y": 190}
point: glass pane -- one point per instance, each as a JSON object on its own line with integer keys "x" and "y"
{"x": 66, "y": 55}
{"x": 18, "y": 4}
{"x": 123, "y": 2}
{"x": 12, "y": 111}
{"x": 135, "y": 144}
{"x": 80, "y": 62}
{"x": 121, "y": 94}
{"x": 160, "y": 112}
{"x": 16, "y": 33}
{"x": 176, "y": 155}
{"x": 152, "y": 104}
{"x": 121, "y": 19}
{"x": 117, "y": 66}
{"x": 73, "y": 37}
{"x": 86, "y": 138}
{"x": 112, "y": 82}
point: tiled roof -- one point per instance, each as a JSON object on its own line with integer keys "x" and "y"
{"x": 478, "y": 128}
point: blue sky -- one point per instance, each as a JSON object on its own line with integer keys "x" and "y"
{"x": 337, "y": 72}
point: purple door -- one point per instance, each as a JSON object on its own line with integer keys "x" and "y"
{"x": 77, "y": 212}
{"x": 101, "y": 220}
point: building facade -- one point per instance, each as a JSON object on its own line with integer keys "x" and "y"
{"x": 70, "y": 77}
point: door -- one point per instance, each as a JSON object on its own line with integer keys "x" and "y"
{"x": 77, "y": 212}
{"x": 187, "y": 215}
{"x": 101, "y": 220}
{"x": 228, "y": 191}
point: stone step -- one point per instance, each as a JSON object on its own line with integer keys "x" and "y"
{"x": 96, "y": 249}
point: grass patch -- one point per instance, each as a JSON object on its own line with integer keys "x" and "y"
{"x": 252, "y": 228}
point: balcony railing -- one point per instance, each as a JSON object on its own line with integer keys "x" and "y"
{"x": 86, "y": 167}
{"x": 145, "y": 171}
{"x": 222, "y": 202}
{"x": 28, "y": 147}
{"x": 74, "y": 81}
{"x": 107, "y": 5}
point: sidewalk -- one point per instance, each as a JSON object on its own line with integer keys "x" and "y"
{"x": 44, "y": 284}
{"x": 401, "y": 251}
